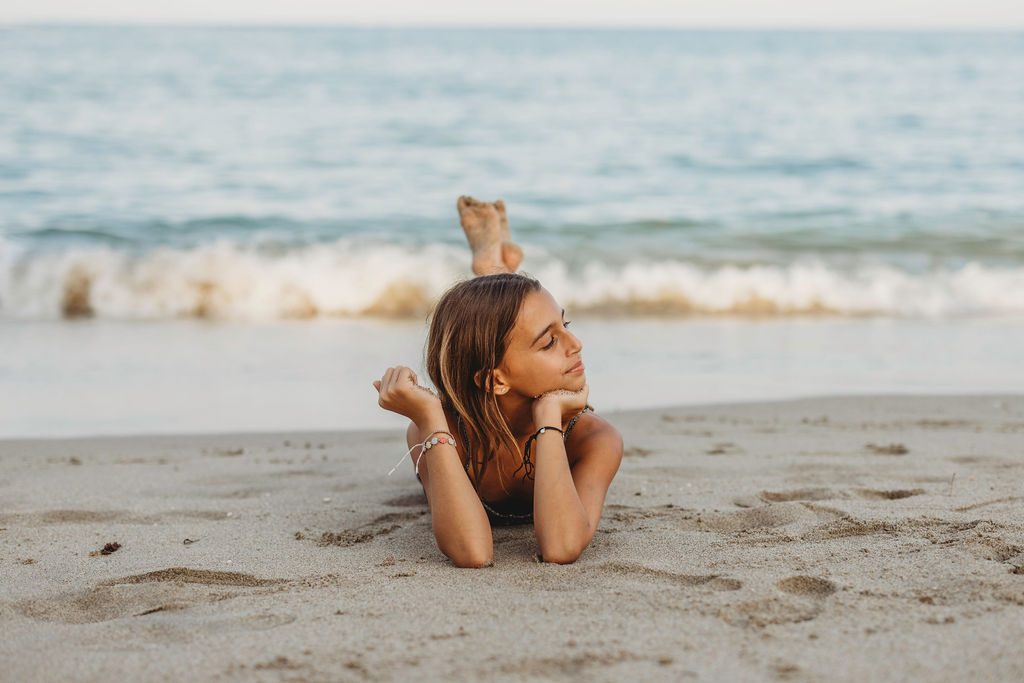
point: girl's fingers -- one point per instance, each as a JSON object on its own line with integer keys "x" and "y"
{"x": 393, "y": 377}
{"x": 397, "y": 376}
{"x": 406, "y": 376}
{"x": 385, "y": 381}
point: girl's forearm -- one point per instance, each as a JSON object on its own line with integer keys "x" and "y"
{"x": 461, "y": 527}
{"x": 560, "y": 520}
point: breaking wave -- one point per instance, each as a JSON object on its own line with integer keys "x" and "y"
{"x": 227, "y": 280}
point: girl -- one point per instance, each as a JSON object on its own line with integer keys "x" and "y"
{"x": 509, "y": 437}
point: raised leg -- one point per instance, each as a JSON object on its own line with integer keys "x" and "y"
{"x": 511, "y": 254}
{"x": 482, "y": 226}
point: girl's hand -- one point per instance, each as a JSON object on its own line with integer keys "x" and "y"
{"x": 551, "y": 408}
{"x": 401, "y": 393}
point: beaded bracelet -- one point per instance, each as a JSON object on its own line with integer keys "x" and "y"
{"x": 427, "y": 444}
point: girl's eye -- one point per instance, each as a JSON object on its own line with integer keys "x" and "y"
{"x": 565, "y": 323}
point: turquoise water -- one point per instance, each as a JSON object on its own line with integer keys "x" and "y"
{"x": 269, "y": 173}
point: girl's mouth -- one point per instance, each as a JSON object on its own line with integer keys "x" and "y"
{"x": 576, "y": 369}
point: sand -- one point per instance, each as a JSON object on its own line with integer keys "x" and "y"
{"x": 840, "y": 539}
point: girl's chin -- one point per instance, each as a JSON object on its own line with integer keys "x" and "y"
{"x": 568, "y": 383}
{"x": 576, "y": 383}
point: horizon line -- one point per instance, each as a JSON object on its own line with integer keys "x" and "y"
{"x": 199, "y": 23}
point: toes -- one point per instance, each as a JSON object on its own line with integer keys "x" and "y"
{"x": 467, "y": 202}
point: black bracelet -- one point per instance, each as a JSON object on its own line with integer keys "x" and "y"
{"x": 528, "y": 465}
{"x": 544, "y": 429}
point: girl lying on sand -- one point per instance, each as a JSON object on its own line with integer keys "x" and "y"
{"x": 509, "y": 437}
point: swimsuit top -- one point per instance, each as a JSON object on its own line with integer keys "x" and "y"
{"x": 510, "y": 516}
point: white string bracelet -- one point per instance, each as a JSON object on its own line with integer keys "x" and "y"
{"x": 424, "y": 447}
{"x": 402, "y": 459}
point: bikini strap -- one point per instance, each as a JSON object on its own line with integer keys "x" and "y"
{"x": 572, "y": 422}
{"x": 565, "y": 434}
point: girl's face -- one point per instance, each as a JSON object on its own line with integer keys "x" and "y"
{"x": 542, "y": 354}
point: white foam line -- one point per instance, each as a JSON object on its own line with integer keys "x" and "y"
{"x": 225, "y": 280}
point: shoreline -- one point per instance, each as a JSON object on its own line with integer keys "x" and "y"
{"x": 320, "y": 433}
{"x": 738, "y": 541}
{"x": 186, "y": 378}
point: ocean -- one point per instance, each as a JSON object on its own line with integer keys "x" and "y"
{"x": 222, "y": 229}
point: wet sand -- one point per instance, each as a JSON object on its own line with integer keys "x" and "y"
{"x": 842, "y": 539}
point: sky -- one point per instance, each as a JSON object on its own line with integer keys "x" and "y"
{"x": 963, "y": 14}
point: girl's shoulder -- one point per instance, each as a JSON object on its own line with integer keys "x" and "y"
{"x": 593, "y": 433}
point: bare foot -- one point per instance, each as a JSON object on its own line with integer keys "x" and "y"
{"x": 511, "y": 254}
{"x": 482, "y": 225}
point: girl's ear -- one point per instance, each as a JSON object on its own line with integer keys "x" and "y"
{"x": 499, "y": 383}
{"x": 493, "y": 381}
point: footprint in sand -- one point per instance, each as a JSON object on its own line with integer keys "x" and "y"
{"x": 980, "y": 538}
{"x": 890, "y": 494}
{"x": 768, "y": 611}
{"x": 630, "y": 514}
{"x": 769, "y": 516}
{"x": 409, "y": 500}
{"x": 381, "y": 526}
{"x": 797, "y": 495}
{"x": 807, "y": 585}
{"x": 995, "y": 549}
{"x": 783, "y": 522}
{"x": 713, "y": 581}
{"x": 142, "y": 594}
{"x": 206, "y": 577}
{"x": 848, "y": 527}
{"x": 765, "y": 517}
{"x": 811, "y": 519}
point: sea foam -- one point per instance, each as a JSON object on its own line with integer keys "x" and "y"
{"x": 227, "y": 280}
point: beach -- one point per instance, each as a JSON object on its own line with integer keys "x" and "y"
{"x": 841, "y": 539}
{"x": 795, "y": 260}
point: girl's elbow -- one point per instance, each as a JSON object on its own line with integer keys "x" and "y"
{"x": 563, "y": 555}
{"x": 469, "y": 556}
{"x": 471, "y": 560}
{"x": 565, "y": 549}
{"x": 567, "y": 558}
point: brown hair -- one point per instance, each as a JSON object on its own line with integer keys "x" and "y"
{"x": 469, "y": 333}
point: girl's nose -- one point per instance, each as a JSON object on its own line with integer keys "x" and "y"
{"x": 575, "y": 345}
